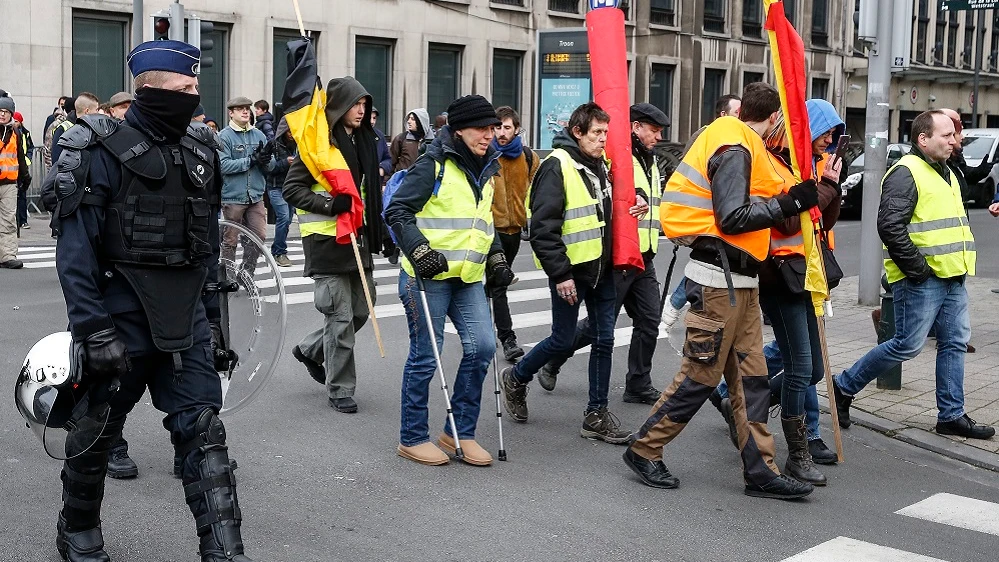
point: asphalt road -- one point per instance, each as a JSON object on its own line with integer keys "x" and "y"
{"x": 317, "y": 485}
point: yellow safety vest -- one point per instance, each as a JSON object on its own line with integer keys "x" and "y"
{"x": 939, "y": 227}
{"x": 316, "y": 223}
{"x": 458, "y": 226}
{"x": 648, "y": 228}
{"x": 582, "y": 229}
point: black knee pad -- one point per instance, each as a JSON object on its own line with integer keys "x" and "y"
{"x": 209, "y": 435}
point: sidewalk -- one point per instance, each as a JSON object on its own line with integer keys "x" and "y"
{"x": 909, "y": 414}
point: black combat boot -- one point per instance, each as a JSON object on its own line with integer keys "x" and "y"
{"x": 799, "y": 460}
{"x": 120, "y": 465}
{"x": 79, "y": 537}
{"x": 210, "y": 488}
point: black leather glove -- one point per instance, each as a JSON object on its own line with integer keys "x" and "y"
{"x": 799, "y": 198}
{"x": 388, "y": 248}
{"x": 498, "y": 272}
{"x": 105, "y": 355}
{"x": 340, "y": 204}
{"x": 222, "y": 356}
{"x": 429, "y": 262}
{"x": 262, "y": 154}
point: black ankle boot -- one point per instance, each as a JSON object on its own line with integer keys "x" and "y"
{"x": 799, "y": 461}
{"x": 211, "y": 492}
{"x": 81, "y": 546}
{"x": 120, "y": 465}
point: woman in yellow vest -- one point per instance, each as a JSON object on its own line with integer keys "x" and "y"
{"x": 442, "y": 218}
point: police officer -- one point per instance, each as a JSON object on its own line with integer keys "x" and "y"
{"x": 637, "y": 292}
{"x": 137, "y": 249}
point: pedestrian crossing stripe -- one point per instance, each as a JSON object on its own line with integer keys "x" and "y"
{"x": 956, "y": 511}
{"x": 844, "y": 549}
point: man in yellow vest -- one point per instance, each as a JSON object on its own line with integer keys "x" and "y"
{"x": 637, "y": 292}
{"x": 569, "y": 209}
{"x": 13, "y": 174}
{"x": 328, "y": 351}
{"x": 929, "y": 252}
{"x": 722, "y": 201}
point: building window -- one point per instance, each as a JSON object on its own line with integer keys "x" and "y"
{"x": 952, "y": 23}
{"x": 509, "y": 2}
{"x": 714, "y": 16}
{"x": 994, "y": 39}
{"x": 661, "y": 88}
{"x": 714, "y": 84}
{"x": 752, "y": 18}
{"x": 662, "y": 12}
{"x": 969, "y": 39}
{"x": 279, "y": 66}
{"x": 507, "y": 78}
{"x": 212, "y": 80}
{"x": 750, "y": 77}
{"x": 443, "y": 77}
{"x": 373, "y": 69}
{"x": 566, "y": 6}
{"x": 938, "y": 36}
{"x": 922, "y": 28}
{"x": 820, "y": 88}
{"x": 790, "y": 10}
{"x": 99, "y": 56}
{"x": 820, "y": 23}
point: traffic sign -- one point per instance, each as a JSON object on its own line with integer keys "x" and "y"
{"x": 957, "y": 5}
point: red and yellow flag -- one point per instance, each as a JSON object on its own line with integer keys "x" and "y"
{"x": 305, "y": 104}
{"x": 788, "y": 53}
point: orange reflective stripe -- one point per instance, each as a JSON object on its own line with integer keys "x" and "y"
{"x": 686, "y": 211}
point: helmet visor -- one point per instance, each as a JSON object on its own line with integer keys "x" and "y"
{"x": 66, "y": 420}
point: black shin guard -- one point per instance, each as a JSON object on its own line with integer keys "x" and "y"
{"x": 79, "y": 537}
{"x": 210, "y": 487}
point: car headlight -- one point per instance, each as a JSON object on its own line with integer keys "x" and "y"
{"x": 853, "y": 180}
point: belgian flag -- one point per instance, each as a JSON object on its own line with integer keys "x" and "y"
{"x": 305, "y": 103}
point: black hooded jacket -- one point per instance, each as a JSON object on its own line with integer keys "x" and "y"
{"x": 548, "y": 206}
{"x": 323, "y": 255}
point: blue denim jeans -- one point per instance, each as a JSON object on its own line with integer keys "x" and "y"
{"x": 678, "y": 297}
{"x": 775, "y": 371}
{"x": 938, "y": 303}
{"x": 600, "y": 309}
{"x": 282, "y": 218}
{"x": 465, "y": 304}
{"x": 796, "y": 332}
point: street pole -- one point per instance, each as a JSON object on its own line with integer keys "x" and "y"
{"x": 176, "y": 21}
{"x": 980, "y": 39}
{"x": 137, "y": 23}
{"x": 875, "y": 155}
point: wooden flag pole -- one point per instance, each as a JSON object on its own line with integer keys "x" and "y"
{"x": 367, "y": 294}
{"x": 821, "y": 321}
{"x": 298, "y": 12}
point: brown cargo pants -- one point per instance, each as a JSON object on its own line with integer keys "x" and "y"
{"x": 721, "y": 340}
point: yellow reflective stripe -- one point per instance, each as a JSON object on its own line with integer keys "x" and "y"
{"x": 579, "y": 213}
{"x": 687, "y": 200}
{"x": 940, "y": 250}
{"x": 581, "y": 236}
{"x": 304, "y": 218}
{"x": 649, "y": 223}
{"x": 692, "y": 175}
{"x": 796, "y": 240}
{"x": 434, "y": 223}
{"x": 935, "y": 224}
{"x": 464, "y": 255}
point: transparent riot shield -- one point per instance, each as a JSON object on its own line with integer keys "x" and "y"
{"x": 254, "y": 316}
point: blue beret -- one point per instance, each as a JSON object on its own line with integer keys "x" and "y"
{"x": 168, "y": 56}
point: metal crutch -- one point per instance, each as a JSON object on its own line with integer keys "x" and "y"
{"x": 496, "y": 381}
{"x": 458, "y": 453}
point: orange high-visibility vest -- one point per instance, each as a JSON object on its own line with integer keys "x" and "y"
{"x": 781, "y": 244}
{"x": 686, "y": 212}
{"x": 8, "y": 159}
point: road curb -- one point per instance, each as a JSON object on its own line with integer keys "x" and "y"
{"x": 930, "y": 441}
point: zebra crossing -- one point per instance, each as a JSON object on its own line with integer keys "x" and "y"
{"x": 940, "y": 509}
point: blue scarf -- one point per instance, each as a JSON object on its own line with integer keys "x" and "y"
{"x": 512, "y": 149}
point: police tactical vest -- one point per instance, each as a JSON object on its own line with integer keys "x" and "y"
{"x": 157, "y": 227}
{"x": 457, "y": 225}
{"x": 939, "y": 227}
{"x": 648, "y": 227}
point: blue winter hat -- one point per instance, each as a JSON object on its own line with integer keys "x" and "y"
{"x": 168, "y": 56}
{"x": 822, "y": 116}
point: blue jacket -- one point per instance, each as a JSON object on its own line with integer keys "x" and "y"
{"x": 243, "y": 179}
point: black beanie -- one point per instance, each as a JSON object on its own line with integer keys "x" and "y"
{"x": 471, "y": 111}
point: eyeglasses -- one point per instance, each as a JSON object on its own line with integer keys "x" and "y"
{"x": 5, "y": 112}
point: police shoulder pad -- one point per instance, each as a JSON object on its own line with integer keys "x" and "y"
{"x": 102, "y": 125}
{"x": 136, "y": 152}
{"x": 77, "y": 137}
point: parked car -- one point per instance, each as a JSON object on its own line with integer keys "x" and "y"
{"x": 853, "y": 185}
{"x": 981, "y": 145}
